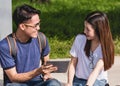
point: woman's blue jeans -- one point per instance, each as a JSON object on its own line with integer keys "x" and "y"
{"x": 82, "y": 82}
{"x": 50, "y": 82}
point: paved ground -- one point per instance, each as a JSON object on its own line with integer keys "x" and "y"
{"x": 113, "y": 74}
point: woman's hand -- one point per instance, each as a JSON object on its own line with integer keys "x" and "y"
{"x": 68, "y": 84}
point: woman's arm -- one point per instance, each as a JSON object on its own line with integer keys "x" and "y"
{"x": 71, "y": 71}
{"x": 99, "y": 66}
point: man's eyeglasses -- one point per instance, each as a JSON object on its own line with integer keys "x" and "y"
{"x": 91, "y": 58}
{"x": 32, "y": 26}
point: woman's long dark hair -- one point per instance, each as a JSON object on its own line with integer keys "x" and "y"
{"x": 100, "y": 23}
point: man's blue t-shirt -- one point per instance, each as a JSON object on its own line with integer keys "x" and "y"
{"x": 28, "y": 56}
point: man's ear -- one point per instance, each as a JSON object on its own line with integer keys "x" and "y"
{"x": 22, "y": 26}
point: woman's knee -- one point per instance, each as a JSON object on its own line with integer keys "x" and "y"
{"x": 102, "y": 82}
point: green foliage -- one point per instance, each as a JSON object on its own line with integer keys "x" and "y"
{"x": 59, "y": 48}
{"x": 62, "y": 20}
{"x": 117, "y": 45}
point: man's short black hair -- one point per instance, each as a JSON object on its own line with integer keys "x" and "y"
{"x": 23, "y": 13}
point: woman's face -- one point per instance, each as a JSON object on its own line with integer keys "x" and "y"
{"x": 89, "y": 31}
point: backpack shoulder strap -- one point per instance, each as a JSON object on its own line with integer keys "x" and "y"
{"x": 42, "y": 44}
{"x": 42, "y": 41}
{"x": 12, "y": 45}
{"x": 13, "y": 49}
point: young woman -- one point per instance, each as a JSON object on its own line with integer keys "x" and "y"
{"x": 92, "y": 53}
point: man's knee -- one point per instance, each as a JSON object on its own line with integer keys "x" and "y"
{"x": 15, "y": 84}
{"x": 53, "y": 82}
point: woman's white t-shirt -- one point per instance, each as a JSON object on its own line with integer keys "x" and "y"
{"x": 83, "y": 69}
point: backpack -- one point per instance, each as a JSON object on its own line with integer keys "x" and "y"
{"x": 13, "y": 47}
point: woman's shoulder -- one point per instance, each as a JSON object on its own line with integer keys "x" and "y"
{"x": 81, "y": 37}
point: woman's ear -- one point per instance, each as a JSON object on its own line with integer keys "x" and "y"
{"x": 22, "y": 26}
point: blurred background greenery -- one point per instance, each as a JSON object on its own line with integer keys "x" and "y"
{"x": 62, "y": 20}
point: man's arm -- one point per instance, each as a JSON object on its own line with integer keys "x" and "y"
{"x": 45, "y": 59}
{"x": 22, "y": 77}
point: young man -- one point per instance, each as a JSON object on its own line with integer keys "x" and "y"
{"x": 25, "y": 69}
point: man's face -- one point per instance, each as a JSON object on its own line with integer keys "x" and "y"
{"x": 32, "y": 26}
